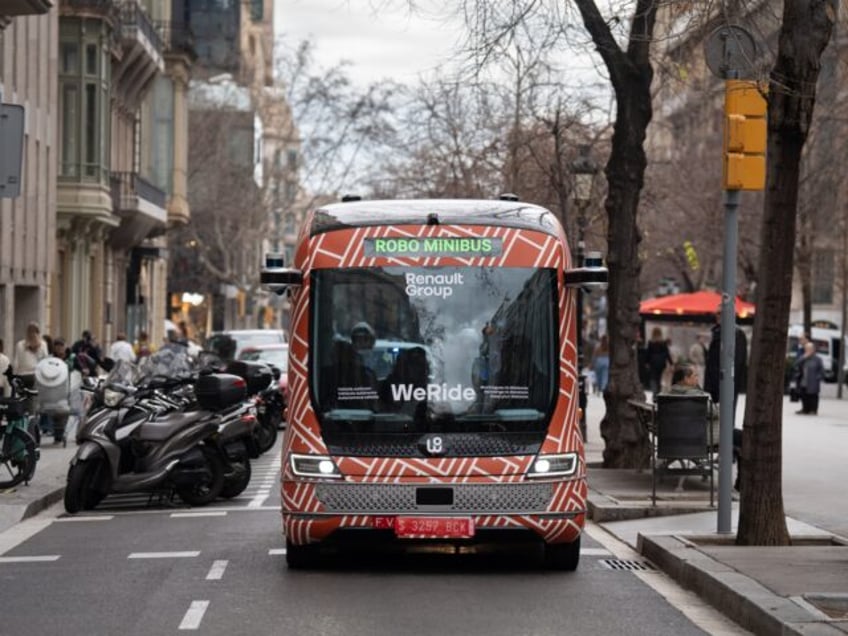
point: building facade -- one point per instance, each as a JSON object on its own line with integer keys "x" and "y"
{"x": 235, "y": 74}
{"x": 28, "y": 71}
{"x": 123, "y": 75}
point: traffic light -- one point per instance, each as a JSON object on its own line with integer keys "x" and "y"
{"x": 745, "y": 133}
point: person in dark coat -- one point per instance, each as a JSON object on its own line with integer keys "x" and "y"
{"x": 658, "y": 357}
{"x": 809, "y": 373}
{"x": 712, "y": 373}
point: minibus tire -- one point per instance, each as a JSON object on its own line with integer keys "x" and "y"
{"x": 562, "y": 556}
{"x": 301, "y": 557}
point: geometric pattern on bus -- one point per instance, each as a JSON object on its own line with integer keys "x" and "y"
{"x": 345, "y": 248}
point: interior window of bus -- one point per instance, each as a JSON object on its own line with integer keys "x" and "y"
{"x": 450, "y": 348}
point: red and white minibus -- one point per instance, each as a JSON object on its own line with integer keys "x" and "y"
{"x": 433, "y": 377}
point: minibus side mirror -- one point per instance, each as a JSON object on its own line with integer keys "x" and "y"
{"x": 592, "y": 275}
{"x": 277, "y": 278}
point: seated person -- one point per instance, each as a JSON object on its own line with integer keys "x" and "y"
{"x": 684, "y": 381}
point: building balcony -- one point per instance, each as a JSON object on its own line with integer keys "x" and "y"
{"x": 177, "y": 39}
{"x": 107, "y": 10}
{"x": 140, "y": 206}
{"x": 141, "y": 52}
{"x": 11, "y": 8}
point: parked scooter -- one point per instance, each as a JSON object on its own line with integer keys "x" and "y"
{"x": 260, "y": 388}
{"x": 177, "y": 451}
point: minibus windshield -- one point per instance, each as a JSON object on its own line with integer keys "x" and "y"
{"x": 426, "y": 349}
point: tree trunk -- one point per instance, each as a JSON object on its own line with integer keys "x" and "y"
{"x": 805, "y": 31}
{"x": 626, "y": 443}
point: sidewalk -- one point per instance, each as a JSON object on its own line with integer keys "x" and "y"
{"x": 801, "y": 589}
{"x": 46, "y": 488}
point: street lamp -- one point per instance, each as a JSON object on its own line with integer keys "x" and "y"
{"x": 584, "y": 171}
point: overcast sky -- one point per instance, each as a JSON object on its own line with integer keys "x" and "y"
{"x": 389, "y": 42}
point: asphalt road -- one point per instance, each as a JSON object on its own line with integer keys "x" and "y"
{"x": 133, "y": 568}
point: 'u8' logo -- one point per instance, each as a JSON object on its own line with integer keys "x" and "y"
{"x": 434, "y": 445}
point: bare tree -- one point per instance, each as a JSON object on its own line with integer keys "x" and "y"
{"x": 228, "y": 215}
{"x": 341, "y": 128}
{"x": 805, "y": 31}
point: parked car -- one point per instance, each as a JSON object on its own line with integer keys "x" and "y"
{"x": 228, "y": 345}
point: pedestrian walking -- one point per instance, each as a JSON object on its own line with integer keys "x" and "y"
{"x": 712, "y": 373}
{"x": 88, "y": 353}
{"x": 658, "y": 357}
{"x": 142, "y": 347}
{"x": 29, "y": 351}
{"x": 121, "y": 349}
{"x": 809, "y": 373}
{"x": 601, "y": 364}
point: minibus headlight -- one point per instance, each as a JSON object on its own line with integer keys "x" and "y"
{"x": 314, "y": 466}
{"x": 553, "y": 465}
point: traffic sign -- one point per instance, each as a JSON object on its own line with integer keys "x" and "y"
{"x": 11, "y": 149}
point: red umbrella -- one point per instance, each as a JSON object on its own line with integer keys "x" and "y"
{"x": 700, "y": 303}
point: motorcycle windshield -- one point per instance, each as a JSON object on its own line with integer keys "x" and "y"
{"x": 165, "y": 363}
{"x": 123, "y": 373}
{"x": 417, "y": 350}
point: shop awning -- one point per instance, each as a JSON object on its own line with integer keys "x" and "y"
{"x": 698, "y": 306}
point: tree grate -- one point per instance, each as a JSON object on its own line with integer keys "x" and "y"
{"x": 623, "y": 564}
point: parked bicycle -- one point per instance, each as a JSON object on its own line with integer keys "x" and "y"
{"x": 18, "y": 449}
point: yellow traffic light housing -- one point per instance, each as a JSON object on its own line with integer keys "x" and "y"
{"x": 745, "y": 136}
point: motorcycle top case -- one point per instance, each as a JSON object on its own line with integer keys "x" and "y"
{"x": 219, "y": 391}
{"x": 258, "y": 375}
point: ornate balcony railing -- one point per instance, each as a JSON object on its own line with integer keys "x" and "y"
{"x": 132, "y": 15}
{"x": 177, "y": 37}
{"x": 127, "y": 186}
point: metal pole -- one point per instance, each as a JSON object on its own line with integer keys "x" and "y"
{"x": 583, "y": 400}
{"x": 728, "y": 354}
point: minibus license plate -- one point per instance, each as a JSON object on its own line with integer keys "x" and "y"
{"x": 434, "y": 527}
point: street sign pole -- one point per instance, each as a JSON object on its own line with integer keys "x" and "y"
{"x": 727, "y": 412}
{"x": 730, "y": 52}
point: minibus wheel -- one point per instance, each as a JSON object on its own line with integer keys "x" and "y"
{"x": 562, "y": 556}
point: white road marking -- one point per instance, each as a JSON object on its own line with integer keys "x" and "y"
{"x": 27, "y": 528}
{"x": 164, "y": 555}
{"x": 595, "y": 552}
{"x": 276, "y": 551}
{"x": 209, "y": 513}
{"x": 129, "y": 513}
{"x": 90, "y": 518}
{"x": 258, "y": 500}
{"x": 30, "y": 559}
{"x": 216, "y": 572}
{"x": 194, "y": 615}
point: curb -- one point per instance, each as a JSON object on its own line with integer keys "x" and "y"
{"x": 739, "y": 597}
{"x": 603, "y": 508}
{"x": 43, "y": 502}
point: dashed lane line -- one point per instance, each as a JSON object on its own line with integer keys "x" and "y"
{"x": 88, "y": 518}
{"x": 30, "y": 559}
{"x": 276, "y": 551}
{"x": 164, "y": 555}
{"x": 205, "y": 513}
{"x": 194, "y": 615}
{"x": 216, "y": 572}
